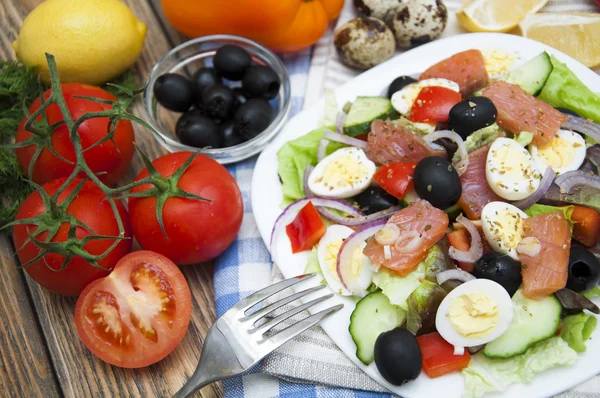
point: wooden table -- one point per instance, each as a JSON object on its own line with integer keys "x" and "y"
{"x": 41, "y": 354}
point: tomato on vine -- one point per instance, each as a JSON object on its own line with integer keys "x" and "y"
{"x": 44, "y": 148}
{"x": 66, "y": 241}
{"x": 191, "y": 213}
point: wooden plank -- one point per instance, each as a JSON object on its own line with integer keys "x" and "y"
{"x": 25, "y": 367}
{"x": 79, "y": 372}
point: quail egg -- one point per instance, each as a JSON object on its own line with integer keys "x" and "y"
{"x": 385, "y": 10}
{"x": 364, "y": 42}
{"x": 419, "y": 22}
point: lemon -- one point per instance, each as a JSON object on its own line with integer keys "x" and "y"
{"x": 93, "y": 41}
{"x": 575, "y": 34}
{"x": 496, "y": 15}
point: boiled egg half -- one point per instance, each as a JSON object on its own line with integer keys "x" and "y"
{"x": 510, "y": 170}
{"x": 502, "y": 225}
{"x": 565, "y": 152}
{"x": 403, "y": 100}
{"x": 343, "y": 174}
{"x": 327, "y": 252}
{"x": 474, "y": 313}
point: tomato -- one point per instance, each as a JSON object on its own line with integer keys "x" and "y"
{"x": 196, "y": 230}
{"x": 586, "y": 225}
{"x": 461, "y": 240}
{"x": 396, "y": 178}
{"x": 92, "y": 209}
{"x": 138, "y": 314}
{"x": 111, "y": 158}
{"x": 306, "y": 230}
{"x": 438, "y": 356}
{"x": 433, "y": 104}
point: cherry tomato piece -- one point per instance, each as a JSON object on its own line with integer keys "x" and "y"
{"x": 396, "y": 178}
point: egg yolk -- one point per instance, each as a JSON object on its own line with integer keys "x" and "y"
{"x": 506, "y": 228}
{"x": 497, "y": 61}
{"x": 343, "y": 172}
{"x": 473, "y": 315}
{"x": 558, "y": 153}
{"x": 331, "y": 254}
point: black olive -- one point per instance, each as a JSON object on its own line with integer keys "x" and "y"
{"x": 472, "y": 114}
{"x": 260, "y": 81}
{"x": 398, "y": 84}
{"x": 229, "y": 136}
{"x": 499, "y": 268}
{"x": 204, "y": 78}
{"x": 197, "y": 130}
{"x": 174, "y": 92}
{"x": 584, "y": 269}
{"x": 398, "y": 356}
{"x": 567, "y": 111}
{"x": 437, "y": 181}
{"x": 253, "y": 117}
{"x": 375, "y": 199}
{"x": 232, "y": 61}
{"x": 219, "y": 101}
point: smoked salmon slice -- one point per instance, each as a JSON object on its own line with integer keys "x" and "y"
{"x": 421, "y": 226}
{"x": 391, "y": 143}
{"x": 520, "y": 111}
{"x": 546, "y": 272}
{"x": 476, "y": 192}
{"x": 466, "y": 68}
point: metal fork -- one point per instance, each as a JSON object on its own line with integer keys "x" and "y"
{"x": 237, "y": 341}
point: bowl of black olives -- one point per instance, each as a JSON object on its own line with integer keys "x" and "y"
{"x": 223, "y": 96}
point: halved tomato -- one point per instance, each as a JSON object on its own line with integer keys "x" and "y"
{"x": 433, "y": 104}
{"x": 138, "y": 314}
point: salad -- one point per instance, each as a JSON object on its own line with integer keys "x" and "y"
{"x": 460, "y": 211}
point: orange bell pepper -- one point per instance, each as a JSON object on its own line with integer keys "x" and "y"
{"x": 282, "y": 25}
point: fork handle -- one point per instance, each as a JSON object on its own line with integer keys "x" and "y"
{"x": 195, "y": 383}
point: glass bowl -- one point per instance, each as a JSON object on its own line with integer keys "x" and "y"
{"x": 188, "y": 57}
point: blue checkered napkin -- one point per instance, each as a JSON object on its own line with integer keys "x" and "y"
{"x": 246, "y": 267}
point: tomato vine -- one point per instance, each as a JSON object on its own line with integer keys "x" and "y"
{"x": 56, "y": 213}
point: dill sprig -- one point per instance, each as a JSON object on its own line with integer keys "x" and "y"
{"x": 18, "y": 88}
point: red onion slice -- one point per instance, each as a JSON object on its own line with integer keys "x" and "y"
{"x": 388, "y": 235}
{"x": 463, "y": 162}
{"x": 344, "y": 139}
{"x": 529, "y": 246}
{"x": 344, "y": 260}
{"x": 322, "y": 149}
{"x": 583, "y": 126}
{"x": 475, "y": 251}
{"x": 408, "y": 242}
{"x": 455, "y": 275}
{"x": 545, "y": 184}
{"x": 571, "y": 179}
{"x": 339, "y": 122}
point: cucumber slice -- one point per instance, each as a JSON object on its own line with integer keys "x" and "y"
{"x": 532, "y": 75}
{"x": 533, "y": 321}
{"x": 372, "y": 316}
{"x": 364, "y": 110}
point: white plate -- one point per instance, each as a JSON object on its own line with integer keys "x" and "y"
{"x": 266, "y": 197}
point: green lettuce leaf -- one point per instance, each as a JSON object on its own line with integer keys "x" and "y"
{"x": 524, "y": 138}
{"x": 398, "y": 288}
{"x": 592, "y": 293}
{"x": 423, "y": 303}
{"x": 485, "y": 375}
{"x": 577, "y": 329}
{"x": 538, "y": 209}
{"x": 312, "y": 264}
{"x": 293, "y": 157}
{"x": 563, "y": 88}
